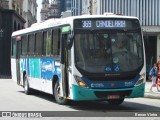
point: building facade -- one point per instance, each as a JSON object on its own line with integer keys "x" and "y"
{"x": 4, "y": 4}
{"x": 25, "y": 8}
{"x": 146, "y": 10}
{"x": 9, "y": 21}
{"x": 14, "y": 15}
{"x": 90, "y": 7}
{"x": 67, "y": 5}
{"x": 45, "y": 9}
{"x": 54, "y": 9}
{"x": 29, "y": 12}
{"x": 76, "y": 7}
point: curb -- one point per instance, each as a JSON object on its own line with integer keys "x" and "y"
{"x": 152, "y": 95}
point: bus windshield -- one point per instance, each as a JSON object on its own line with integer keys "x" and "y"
{"x": 109, "y": 51}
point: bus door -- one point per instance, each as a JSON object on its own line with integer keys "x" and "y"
{"x": 18, "y": 61}
{"x": 65, "y": 58}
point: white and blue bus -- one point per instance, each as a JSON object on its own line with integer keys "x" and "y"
{"x": 90, "y": 57}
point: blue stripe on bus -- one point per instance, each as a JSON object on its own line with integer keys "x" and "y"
{"x": 111, "y": 84}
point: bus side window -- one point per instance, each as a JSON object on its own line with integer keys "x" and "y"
{"x": 44, "y": 43}
{"x": 31, "y": 43}
{"x": 13, "y": 47}
{"x": 38, "y": 50}
{"x": 49, "y": 43}
{"x": 56, "y": 42}
{"x": 19, "y": 48}
{"x": 24, "y": 45}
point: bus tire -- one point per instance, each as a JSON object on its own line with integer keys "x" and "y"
{"x": 60, "y": 100}
{"x": 27, "y": 89}
{"x": 116, "y": 101}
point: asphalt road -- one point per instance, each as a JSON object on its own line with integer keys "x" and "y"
{"x": 13, "y": 98}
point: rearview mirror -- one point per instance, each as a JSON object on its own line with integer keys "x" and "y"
{"x": 70, "y": 40}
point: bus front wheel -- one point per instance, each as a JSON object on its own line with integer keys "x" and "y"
{"x": 116, "y": 101}
{"x": 60, "y": 100}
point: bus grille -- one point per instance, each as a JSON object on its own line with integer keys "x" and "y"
{"x": 115, "y": 78}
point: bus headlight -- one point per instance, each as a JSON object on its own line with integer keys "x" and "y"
{"x": 80, "y": 82}
{"x": 141, "y": 80}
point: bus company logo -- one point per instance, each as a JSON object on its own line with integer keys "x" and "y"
{"x": 6, "y": 114}
{"x": 128, "y": 84}
{"x": 97, "y": 85}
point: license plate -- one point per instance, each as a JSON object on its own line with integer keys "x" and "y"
{"x": 113, "y": 96}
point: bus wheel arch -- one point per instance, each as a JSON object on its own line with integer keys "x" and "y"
{"x": 56, "y": 90}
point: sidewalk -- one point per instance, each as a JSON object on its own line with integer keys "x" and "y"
{"x": 154, "y": 94}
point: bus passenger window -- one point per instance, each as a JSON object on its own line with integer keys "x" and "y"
{"x": 49, "y": 37}
{"x": 19, "y": 49}
{"x": 56, "y": 42}
{"x": 31, "y": 44}
{"x": 44, "y": 43}
{"x": 24, "y": 45}
{"x": 38, "y": 43}
{"x": 13, "y": 47}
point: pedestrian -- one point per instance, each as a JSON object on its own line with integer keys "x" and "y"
{"x": 153, "y": 73}
{"x": 158, "y": 65}
{"x": 158, "y": 76}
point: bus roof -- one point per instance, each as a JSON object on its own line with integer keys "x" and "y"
{"x": 63, "y": 21}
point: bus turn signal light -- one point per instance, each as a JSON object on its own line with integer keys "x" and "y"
{"x": 80, "y": 82}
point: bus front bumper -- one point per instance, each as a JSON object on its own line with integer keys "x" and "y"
{"x": 80, "y": 93}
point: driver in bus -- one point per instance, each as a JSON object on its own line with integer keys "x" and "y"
{"x": 120, "y": 53}
{"x": 119, "y": 44}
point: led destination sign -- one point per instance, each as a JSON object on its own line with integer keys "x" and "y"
{"x": 110, "y": 23}
{"x": 106, "y": 24}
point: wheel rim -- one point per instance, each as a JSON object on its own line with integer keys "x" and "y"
{"x": 25, "y": 86}
{"x": 58, "y": 92}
